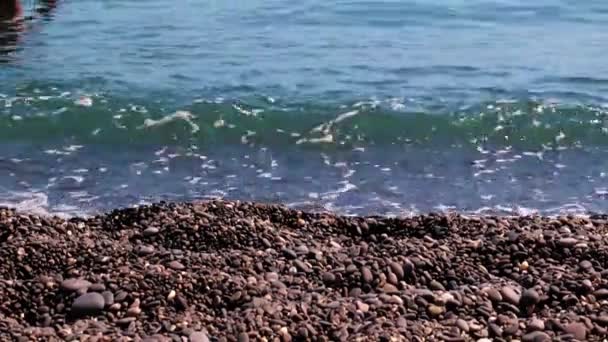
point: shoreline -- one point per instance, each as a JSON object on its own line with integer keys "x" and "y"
{"x": 240, "y": 271}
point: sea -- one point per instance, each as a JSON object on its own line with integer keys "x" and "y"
{"x": 394, "y": 107}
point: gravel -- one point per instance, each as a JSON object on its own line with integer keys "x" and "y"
{"x": 236, "y": 271}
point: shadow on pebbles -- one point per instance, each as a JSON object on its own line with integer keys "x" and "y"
{"x": 231, "y": 271}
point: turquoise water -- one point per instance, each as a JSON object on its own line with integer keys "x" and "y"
{"x": 372, "y": 107}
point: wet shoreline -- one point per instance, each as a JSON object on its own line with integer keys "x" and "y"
{"x": 237, "y": 271}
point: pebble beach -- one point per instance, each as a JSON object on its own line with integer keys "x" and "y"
{"x": 237, "y": 271}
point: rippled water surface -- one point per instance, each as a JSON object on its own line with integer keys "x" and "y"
{"x": 361, "y": 107}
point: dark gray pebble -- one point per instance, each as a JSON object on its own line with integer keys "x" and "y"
{"x": 88, "y": 304}
{"x": 108, "y": 297}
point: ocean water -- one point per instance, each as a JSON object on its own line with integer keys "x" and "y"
{"x": 359, "y": 107}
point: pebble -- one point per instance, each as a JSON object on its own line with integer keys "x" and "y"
{"x": 246, "y": 271}
{"x": 529, "y": 297}
{"x": 243, "y": 337}
{"x": 436, "y": 286}
{"x": 435, "y": 310}
{"x": 88, "y": 304}
{"x": 328, "y": 277}
{"x": 462, "y": 325}
{"x": 300, "y": 265}
{"x": 145, "y": 250}
{"x": 510, "y": 295}
{"x": 151, "y": 231}
{"x": 578, "y": 330}
{"x": 536, "y": 336}
{"x": 568, "y": 242}
{"x": 362, "y": 306}
{"x": 75, "y": 284}
{"x": 494, "y": 295}
{"x": 535, "y": 324}
{"x": 390, "y": 288}
{"x": 176, "y": 265}
{"x": 290, "y": 254}
{"x": 366, "y": 275}
{"x": 397, "y": 269}
{"x": 601, "y": 294}
{"x": 108, "y": 297}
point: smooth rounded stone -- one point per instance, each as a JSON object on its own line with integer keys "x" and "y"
{"x": 462, "y": 325}
{"x": 409, "y": 268}
{"x": 529, "y": 297}
{"x": 510, "y": 295}
{"x": 397, "y": 269}
{"x": 567, "y": 242}
{"x": 493, "y": 294}
{"x": 151, "y": 231}
{"x": 392, "y": 278}
{"x": 176, "y": 265}
{"x": 75, "y": 284}
{"x": 601, "y": 319}
{"x": 436, "y": 286}
{"x": 98, "y": 287}
{"x": 133, "y": 312}
{"x": 495, "y": 330}
{"x": 435, "y": 310}
{"x": 587, "y": 284}
{"x": 536, "y": 336}
{"x": 601, "y": 294}
{"x": 243, "y": 337}
{"x": 108, "y": 298}
{"x": 302, "y": 266}
{"x": 366, "y": 275}
{"x": 586, "y": 264}
{"x": 328, "y": 277}
{"x": 390, "y": 288}
{"x": 362, "y": 306}
{"x": 350, "y": 269}
{"x": 301, "y": 250}
{"x": 120, "y": 296}
{"x": 535, "y": 324}
{"x": 578, "y": 330}
{"x": 145, "y": 249}
{"x": 125, "y": 320}
{"x": 355, "y": 292}
{"x": 88, "y": 304}
{"x": 289, "y": 253}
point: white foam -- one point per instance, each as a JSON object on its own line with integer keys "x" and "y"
{"x": 179, "y": 115}
{"x": 84, "y": 101}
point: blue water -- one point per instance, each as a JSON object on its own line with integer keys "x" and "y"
{"x": 359, "y": 107}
